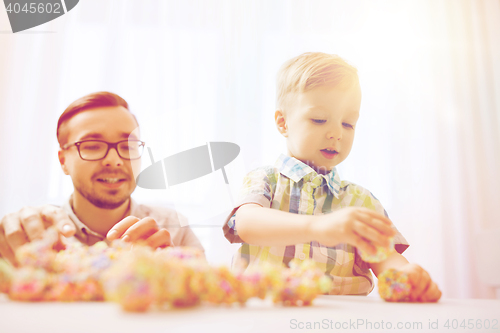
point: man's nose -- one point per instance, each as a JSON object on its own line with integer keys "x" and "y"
{"x": 112, "y": 158}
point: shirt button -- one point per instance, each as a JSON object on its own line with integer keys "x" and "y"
{"x": 302, "y": 256}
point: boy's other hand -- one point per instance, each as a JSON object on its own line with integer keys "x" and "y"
{"x": 133, "y": 229}
{"x": 28, "y": 224}
{"x": 423, "y": 288}
{"x": 358, "y": 226}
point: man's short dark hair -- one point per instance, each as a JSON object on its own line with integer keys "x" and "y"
{"x": 90, "y": 101}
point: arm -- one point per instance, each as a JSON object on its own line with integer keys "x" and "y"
{"x": 189, "y": 239}
{"x": 132, "y": 229}
{"x": 395, "y": 260}
{"x": 29, "y": 223}
{"x": 271, "y": 227}
{"x": 353, "y": 225}
{"x": 423, "y": 288}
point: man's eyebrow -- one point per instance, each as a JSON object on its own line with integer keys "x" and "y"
{"x": 129, "y": 136}
{"x": 91, "y": 136}
{"x": 100, "y": 136}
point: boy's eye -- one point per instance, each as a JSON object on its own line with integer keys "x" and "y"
{"x": 318, "y": 121}
{"x": 347, "y": 125}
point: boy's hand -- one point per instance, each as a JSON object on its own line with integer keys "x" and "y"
{"x": 423, "y": 288}
{"x": 28, "y": 224}
{"x": 357, "y": 226}
{"x": 132, "y": 229}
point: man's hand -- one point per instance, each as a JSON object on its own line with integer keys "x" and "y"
{"x": 132, "y": 229}
{"x": 423, "y": 288}
{"x": 358, "y": 226}
{"x": 28, "y": 224}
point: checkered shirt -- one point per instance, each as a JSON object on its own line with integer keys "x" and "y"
{"x": 293, "y": 186}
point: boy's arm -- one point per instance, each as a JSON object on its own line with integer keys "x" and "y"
{"x": 395, "y": 260}
{"x": 353, "y": 225}
{"x": 423, "y": 288}
{"x": 271, "y": 227}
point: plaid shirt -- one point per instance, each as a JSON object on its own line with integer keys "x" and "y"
{"x": 293, "y": 186}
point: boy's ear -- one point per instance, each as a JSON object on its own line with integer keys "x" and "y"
{"x": 279, "y": 119}
{"x": 62, "y": 160}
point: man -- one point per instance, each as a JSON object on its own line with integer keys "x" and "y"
{"x": 100, "y": 149}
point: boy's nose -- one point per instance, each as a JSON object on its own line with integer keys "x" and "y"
{"x": 334, "y": 133}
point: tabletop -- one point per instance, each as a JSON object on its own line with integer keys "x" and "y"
{"x": 328, "y": 313}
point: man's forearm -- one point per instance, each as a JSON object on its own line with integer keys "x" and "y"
{"x": 270, "y": 227}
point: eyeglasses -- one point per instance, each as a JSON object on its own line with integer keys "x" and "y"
{"x": 94, "y": 150}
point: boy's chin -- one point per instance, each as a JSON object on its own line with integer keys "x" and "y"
{"x": 322, "y": 169}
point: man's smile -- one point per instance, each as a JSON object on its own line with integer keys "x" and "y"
{"x": 112, "y": 180}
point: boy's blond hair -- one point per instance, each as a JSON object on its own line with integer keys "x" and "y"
{"x": 310, "y": 70}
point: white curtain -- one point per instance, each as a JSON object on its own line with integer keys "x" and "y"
{"x": 427, "y": 144}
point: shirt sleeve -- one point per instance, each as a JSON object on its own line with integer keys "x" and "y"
{"x": 173, "y": 221}
{"x": 371, "y": 202}
{"x": 190, "y": 239}
{"x": 256, "y": 189}
{"x": 186, "y": 236}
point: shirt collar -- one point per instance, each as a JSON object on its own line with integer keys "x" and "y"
{"x": 82, "y": 230}
{"x": 296, "y": 170}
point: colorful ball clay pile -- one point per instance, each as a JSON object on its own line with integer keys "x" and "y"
{"x": 381, "y": 254}
{"x": 139, "y": 277}
{"x": 180, "y": 277}
{"x": 46, "y": 274}
{"x": 394, "y": 286}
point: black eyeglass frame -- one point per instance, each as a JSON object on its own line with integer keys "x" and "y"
{"x": 110, "y": 146}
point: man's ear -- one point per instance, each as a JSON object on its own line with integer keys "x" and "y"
{"x": 62, "y": 160}
{"x": 279, "y": 119}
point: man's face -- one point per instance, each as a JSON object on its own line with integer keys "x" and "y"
{"x": 320, "y": 125}
{"x": 105, "y": 183}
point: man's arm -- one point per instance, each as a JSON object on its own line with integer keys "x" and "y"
{"x": 133, "y": 229}
{"x": 30, "y": 223}
{"x": 190, "y": 239}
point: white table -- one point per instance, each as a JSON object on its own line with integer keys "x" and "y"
{"x": 329, "y": 313}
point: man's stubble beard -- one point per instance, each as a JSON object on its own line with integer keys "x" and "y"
{"x": 111, "y": 202}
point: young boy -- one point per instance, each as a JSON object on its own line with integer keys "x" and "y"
{"x": 299, "y": 208}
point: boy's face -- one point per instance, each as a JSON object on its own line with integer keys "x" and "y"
{"x": 319, "y": 125}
